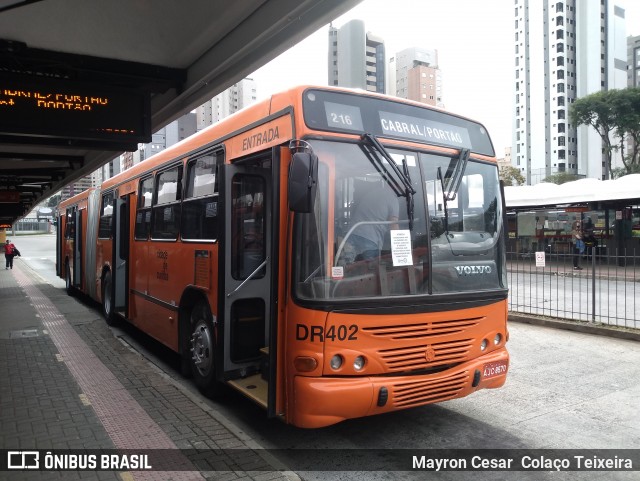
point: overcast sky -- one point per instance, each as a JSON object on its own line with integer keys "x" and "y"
{"x": 474, "y": 39}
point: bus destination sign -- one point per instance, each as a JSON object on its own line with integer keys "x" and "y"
{"x": 344, "y": 112}
{"x": 342, "y": 116}
{"x": 430, "y": 131}
{"x": 52, "y": 108}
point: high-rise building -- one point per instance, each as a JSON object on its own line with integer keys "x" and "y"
{"x": 158, "y": 143}
{"x": 165, "y": 137}
{"x": 231, "y": 100}
{"x": 356, "y": 58}
{"x": 417, "y": 76}
{"x": 236, "y": 97}
{"x": 168, "y": 135}
{"x": 633, "y": 61}
{"x": 633, "y": 73}
{"x": 564, "y": 50}
{"x": 110, "y": 169}
{"x": 180, "y": 129}
{"x": 506, "y": 160}
{"x": 92, "y": 180}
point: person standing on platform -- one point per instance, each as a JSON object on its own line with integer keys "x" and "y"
{"x": 10, "y": 251}
{"x": 578, "y": 244}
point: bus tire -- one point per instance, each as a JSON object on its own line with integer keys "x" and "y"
{"x": 67, "y": 279}
{"x": 201, "y": 342}
{"x": 107, "y": 301}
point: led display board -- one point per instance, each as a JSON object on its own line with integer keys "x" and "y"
{"x": 9, "y": 196}
{"x": 53, "y": 108}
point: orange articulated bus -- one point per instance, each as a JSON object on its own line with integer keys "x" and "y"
{"x": 258, "y": 251}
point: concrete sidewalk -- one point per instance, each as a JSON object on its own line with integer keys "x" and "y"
{"x": 67, "y": 383}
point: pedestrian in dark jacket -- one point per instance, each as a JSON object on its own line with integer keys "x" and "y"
{"x": 10, "y": 251}
{"x": 578, "y": 244}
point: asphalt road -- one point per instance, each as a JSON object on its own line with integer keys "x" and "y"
{"x": 565, "y": 390}
{"x": 39, "y": 252}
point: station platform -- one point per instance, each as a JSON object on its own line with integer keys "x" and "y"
{"x": 69, "y": 386}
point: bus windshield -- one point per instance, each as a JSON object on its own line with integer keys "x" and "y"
{"x": 368, "y": 238}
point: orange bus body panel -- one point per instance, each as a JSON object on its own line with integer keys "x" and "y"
{"x": 321, "y": 401}
{"x": 388, "y": 344}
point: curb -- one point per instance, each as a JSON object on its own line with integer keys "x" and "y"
{"x": 597, "y": 329}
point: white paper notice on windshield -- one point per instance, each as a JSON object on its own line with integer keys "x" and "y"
{"x": 401, "y": 247}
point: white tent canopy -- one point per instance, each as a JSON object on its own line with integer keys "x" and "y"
{"x": 576, "y": 192}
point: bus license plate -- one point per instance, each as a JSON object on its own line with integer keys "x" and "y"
{"x": 493, "y": 369}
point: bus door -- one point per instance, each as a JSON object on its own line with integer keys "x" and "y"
{"x": 77, "y": 248}
{"x": 121, "y": 254}
{"x": 59, "y": 244}
{"x": 246, "y": 273}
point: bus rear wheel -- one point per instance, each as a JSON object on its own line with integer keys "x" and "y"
{"x": 202, "y": 343}
{"x": 107, "y": 300}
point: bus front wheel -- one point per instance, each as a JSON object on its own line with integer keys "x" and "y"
{"x": 202, "y": 343}
{"x": 107, "y": 300}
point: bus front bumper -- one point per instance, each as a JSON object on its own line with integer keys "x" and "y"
{"x": 322, "y": 401}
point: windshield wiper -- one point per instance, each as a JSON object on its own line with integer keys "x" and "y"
{"x": 405, "y": 169}
{"x": 454, "y": 175}
{"x": 400, "y": 182}
{"x": 455, "y": 178}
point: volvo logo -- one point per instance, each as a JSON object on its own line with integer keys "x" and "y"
{"x": 430, "y": 354}
{"x": 472, "y": 270}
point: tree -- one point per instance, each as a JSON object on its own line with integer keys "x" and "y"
{"x": 628, "y": 169}
{"x": 561, "y": 178}
{"x": 626, "y": 108}
{"x": 596, "y": 110}
{"x": 511, "y": 175}
{"x": 614, "y": 112}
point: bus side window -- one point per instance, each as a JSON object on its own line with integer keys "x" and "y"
{"x": 70, "y": 229}
{"x": 165, "y": 213}
{"x": 248, "y": 225}
{"x": 200, "y": 205}
{"x": 106, "y": 216}
{"x": 143, "y": 211}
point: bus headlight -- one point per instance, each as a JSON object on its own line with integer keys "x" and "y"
{"x": 358, "y": 363}
{"x": 484, "y": 344}
{"x": 336, "y": 362}
{"x": 498, "y": 339}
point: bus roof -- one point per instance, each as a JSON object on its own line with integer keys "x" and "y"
{"x": 76, "y": 198}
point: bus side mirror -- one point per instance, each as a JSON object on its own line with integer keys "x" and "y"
{"x": 303, "y": 182}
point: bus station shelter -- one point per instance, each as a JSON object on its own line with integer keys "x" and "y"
{"x": 540, "y": 217}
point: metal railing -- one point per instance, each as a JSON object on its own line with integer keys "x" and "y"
{"x": 30, "y": 226}
{"x": 604, "y": 289}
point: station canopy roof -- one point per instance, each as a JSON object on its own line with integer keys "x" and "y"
{"x": 577, "y": 192}
{"x": 140, "y": 63}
